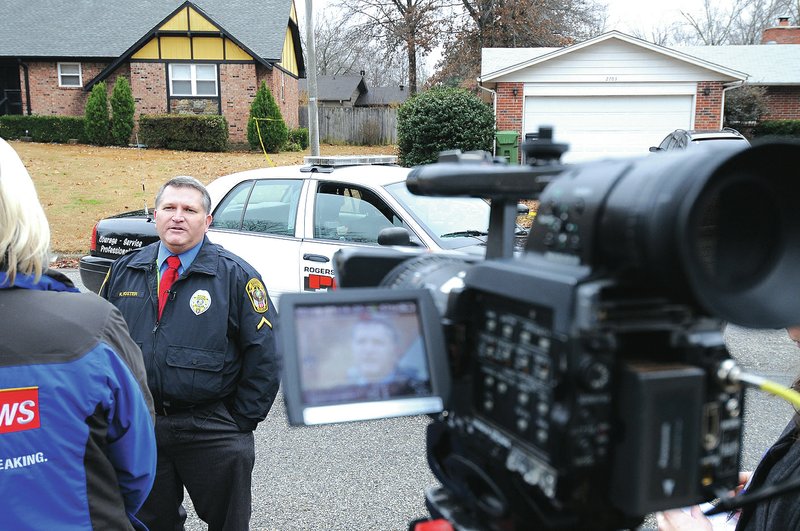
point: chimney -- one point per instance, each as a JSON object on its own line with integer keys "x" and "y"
{"x": 783, "y": 33}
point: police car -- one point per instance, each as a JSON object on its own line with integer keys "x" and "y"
{"x": 288, "y": 221}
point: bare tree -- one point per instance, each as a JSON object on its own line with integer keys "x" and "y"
{"x": 342, "y": 49}
{"x": 409, "y": 25}
{"x": 339, "y": 48}
{"x": 716, "y": 24}
{"x": 663, "y": 35}
{"x": 741, "y": 22}
{"x": 512, "y": 23}
{"x": 719, "y": 23}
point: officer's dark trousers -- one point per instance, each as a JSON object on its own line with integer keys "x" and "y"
{"x": 204, "y": 451}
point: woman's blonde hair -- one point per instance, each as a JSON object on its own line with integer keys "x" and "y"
{"x": 24, "y": 231}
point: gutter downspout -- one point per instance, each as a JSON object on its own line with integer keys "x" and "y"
{"x": 735, "y": 84}
{"x": 27, "y": 86}
{"x": 494, "y": 111}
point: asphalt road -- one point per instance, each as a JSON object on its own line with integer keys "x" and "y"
{"x": 371, "y": 475}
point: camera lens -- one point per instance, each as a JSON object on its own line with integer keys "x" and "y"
{"x": 737, "y": 234}
{"x": 740, "y": 237}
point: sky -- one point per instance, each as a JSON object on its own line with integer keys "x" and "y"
{"x": 629, "y": 15}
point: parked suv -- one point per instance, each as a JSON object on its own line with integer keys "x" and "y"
{"x": 683, "y": 139}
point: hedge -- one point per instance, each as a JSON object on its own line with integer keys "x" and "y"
{"x": 299, "y": 136}
{"x": 440, "y": 119}
{"x": 43, "y": 128}
{"x": 777, "y": 128}
{"x": 205, "y": 132}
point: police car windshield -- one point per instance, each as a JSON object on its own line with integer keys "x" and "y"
{"x": 445, "y": 217}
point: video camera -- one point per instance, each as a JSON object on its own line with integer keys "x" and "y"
{"x": 582, "y": 384}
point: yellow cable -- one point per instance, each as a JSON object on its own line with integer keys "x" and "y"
{"x": 788, "y": 394}
{"x": 258, "y": 129}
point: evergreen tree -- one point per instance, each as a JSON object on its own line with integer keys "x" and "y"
{"x": 98, "y": 123}
{"x": 274, "y": 132}
{"x": 122, "y": 109}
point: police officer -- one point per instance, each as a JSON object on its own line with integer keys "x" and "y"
{"x": 77, "y": 449}
{"x": 204, "y": 322}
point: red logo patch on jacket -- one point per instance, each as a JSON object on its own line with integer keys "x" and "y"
{"x": 19, "y": 409}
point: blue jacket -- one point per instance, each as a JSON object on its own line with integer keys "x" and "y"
{"x": 77, "y": 447}
{"x": 214, "y": 341}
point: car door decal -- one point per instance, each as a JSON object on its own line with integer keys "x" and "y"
{"x": 314, "y": 282}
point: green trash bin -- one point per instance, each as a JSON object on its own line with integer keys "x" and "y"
{"x": 507, "y": 145}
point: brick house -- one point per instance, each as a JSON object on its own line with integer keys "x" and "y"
{"x": 616, "y": 95}
{"x": 197, "y": 56}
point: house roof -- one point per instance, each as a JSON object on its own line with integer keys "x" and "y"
{"x": 337, "y": 88}
{"x": 764, "y": 64}
{"x": 497, "y": 62}
{"x": 104, "y": 29}
{"x": 383, "y": 96}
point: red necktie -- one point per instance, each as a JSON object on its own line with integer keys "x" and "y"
{"x": 169, "y": 276}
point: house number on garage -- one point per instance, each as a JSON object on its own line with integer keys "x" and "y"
{"x": 610, "y": 79}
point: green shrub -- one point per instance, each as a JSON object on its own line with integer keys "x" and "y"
{"x": 790, "y": 128}
{"x": 299, "y": 136}
{"x": 122, "y": 109}
{"x": 440, "y": 119}
{"x": 745, "y": 105}
{"x": 98, "y": 124}
{"x": 274, "y": 132}
{"x": 204, "y": 132}
{"x": 43, "y": 128}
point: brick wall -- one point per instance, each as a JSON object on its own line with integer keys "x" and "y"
{"x": 148, "y": 80}
{"x": 149, "y": 88}
{"x": 509, "y": 107}
{"x": 783, "y": 103}
{"x": 708, "y": 109}
{"x": 47, "y": 98}
{"x": 237, "y": 90}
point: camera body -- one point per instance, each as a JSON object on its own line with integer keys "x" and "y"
{"x": 581, "y": 382}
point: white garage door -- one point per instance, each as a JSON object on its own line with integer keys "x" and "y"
{"x": 608, "y": 126}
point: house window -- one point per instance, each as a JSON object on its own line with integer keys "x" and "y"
{"x": 69, "y": 75}
{"x": 193, "y": 80}
{"x": 283, "y": 87}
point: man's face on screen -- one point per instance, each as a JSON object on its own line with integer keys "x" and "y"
{"x": 375, "y": 350}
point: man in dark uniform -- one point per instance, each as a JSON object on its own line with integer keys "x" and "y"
{"x": 206, "y": 335}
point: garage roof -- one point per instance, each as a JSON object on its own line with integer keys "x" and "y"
{"x": 497, "y": 62}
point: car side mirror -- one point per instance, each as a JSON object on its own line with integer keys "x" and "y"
{"x": 655, "y": 149}
{"x": 396, "y": 236}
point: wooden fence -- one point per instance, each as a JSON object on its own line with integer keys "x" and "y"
{"x": 372, "y": 126}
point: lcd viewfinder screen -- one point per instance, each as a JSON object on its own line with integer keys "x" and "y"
{"x": 361, "y": 354}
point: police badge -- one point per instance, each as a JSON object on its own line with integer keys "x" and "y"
{"x": 200, "y": 301}
{"x": 258, "y": 295}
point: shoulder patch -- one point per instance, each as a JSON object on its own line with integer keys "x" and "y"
{"x": 258, "y": 295}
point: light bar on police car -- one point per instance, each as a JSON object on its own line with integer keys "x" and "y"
{"x": 350, "y": 160}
